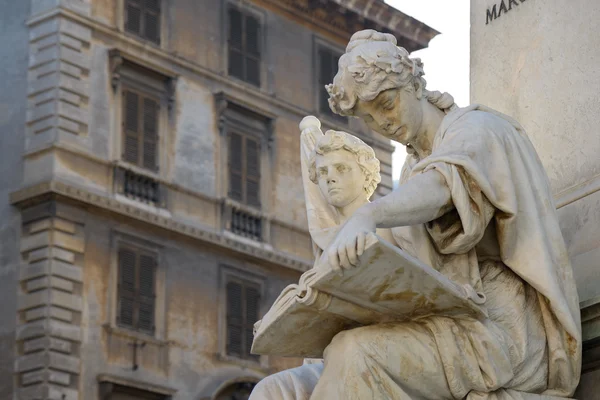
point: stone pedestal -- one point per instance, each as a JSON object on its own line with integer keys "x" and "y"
{"x": 536, "y": 61}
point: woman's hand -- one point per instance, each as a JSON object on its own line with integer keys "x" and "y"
{"x": 349, "y": 244}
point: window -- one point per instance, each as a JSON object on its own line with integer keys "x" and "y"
{"x": 244, "y": 56}
{"x": 243, "y": 302}
{"x": 142, "y": 18}
{"x": 327, "y": 60}
{"x": 140, "y": 128}
{"x": 244, "y": 168}
{"x": 246, "y": 140}
{"x": 136, "y": 289}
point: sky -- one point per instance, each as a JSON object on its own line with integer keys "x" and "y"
{"x": 446, "y": 60}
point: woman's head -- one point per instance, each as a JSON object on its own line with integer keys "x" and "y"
{"x": 344, "y": 166}
{"x": 373, "y": 65}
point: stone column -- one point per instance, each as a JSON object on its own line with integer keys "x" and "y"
{"x": 48, "y": 336}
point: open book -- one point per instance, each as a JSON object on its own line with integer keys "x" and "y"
{"x": 387, "y": 285}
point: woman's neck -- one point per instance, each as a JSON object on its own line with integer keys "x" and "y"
{"x": 432, "y": 119}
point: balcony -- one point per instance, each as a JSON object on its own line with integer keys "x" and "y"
{"x": 139, "y": 187}
{"x": 243, "y": 220}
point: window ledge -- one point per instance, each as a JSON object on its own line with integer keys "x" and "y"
{"x": 243, "y": 207}
{"x": 140, "y": 171}
{"x": 259, "y": 364}
{"x": 134, "y": 335}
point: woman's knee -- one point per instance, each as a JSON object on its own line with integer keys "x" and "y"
{"x": 349, "y": 343}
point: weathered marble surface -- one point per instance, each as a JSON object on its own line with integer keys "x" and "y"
{"x": 475, "y": 203}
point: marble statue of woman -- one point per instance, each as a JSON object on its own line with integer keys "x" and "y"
{"x": 473, "y": 202}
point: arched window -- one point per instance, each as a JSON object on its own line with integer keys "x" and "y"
{"x": 236, "y": 391}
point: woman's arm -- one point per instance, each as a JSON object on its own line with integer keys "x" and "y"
{"x": 423, "y": 198}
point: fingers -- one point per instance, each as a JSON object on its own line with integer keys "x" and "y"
{"x": 333, "y": 259}
{"x": 360, "y": 244}
{"x": 344, "y": 254}
{"x": 351, "y": 252}
{"x": 344, "y": 262}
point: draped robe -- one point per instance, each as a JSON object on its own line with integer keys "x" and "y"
{"x": 502, "y": 238}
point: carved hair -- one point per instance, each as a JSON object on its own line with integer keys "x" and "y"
{"x": 365, "y": 157}
{"x": 373, "y": 63}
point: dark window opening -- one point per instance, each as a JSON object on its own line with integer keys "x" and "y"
{"x": 243, "y": 302}
{"x": 142, "y": 18}
{"x": 244, "y": 169}
{"x": 137, "y": 289}
{"x": 244, "y": 49}
{"x": 328, "y": 67}
{"x": 140, "y": 129}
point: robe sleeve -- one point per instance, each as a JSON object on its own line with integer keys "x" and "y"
{"x": 463, "y": 155}
{"x": 461, "y": 229}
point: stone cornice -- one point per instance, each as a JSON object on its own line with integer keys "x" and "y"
{"x": 33, "y": 194}
{"x": 398, "y": 23}
{"x": 341, "y": 18}
{"x": 171, "y": 186}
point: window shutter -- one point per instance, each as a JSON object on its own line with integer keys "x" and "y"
{"x": 131, "y": 127}
{"x": 252, "y": 36}
{"x": 235, "y": 166}
{"x": 325, "y": 61}
{"x": 150, "y": 118}
{"x": 244, "y": 46}
{"x": 235, "y": 29}
{"x": 146, "y": 293}
{"x": 234, "y": 319}
{"x": 236, "y": 58}
{"x": 133, "y": 16}
{"x": 328, "y": 65}
{"x": 252, "y": 49}
{"x": 152, "y": 20}
{"x": 252, "y": 172}
{"x": 126, "y": 303}
{"x": 252, "y": 310}
{"x": 252, "y": 71}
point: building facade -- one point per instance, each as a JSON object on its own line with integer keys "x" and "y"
{"x": 536, "y": 61}
{"x": 151, "y": 199}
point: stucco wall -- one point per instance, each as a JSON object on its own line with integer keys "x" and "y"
{"x": 188, "y": 357}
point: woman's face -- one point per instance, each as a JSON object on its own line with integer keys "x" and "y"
{"x": 395, "y": 113}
